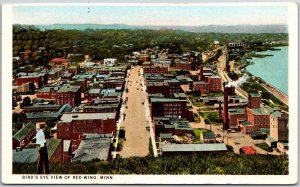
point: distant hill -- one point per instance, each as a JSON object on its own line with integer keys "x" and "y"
{"x": 201, "y": 29}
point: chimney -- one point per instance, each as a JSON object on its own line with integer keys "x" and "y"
{"x": 225, "y": 116}
{"x": 201, "y": 77}
{"x": 220, "y": 111}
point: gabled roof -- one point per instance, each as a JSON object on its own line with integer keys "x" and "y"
{"x": 52, "y": 145}
{"x": 23, "y": 132}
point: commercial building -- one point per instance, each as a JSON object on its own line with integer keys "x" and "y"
{"x": 183, "y": 65}
{"x": 73, "y": 125}
{"x": 257, "y": 116}
{"x": 68, "y": 95}
{"x": 158, "y": 87}
{"x": 39, "y": 79}
{"x": 215, "y": 83}
{"x": 169, "y": 107}
{"x": 155, "y": 69}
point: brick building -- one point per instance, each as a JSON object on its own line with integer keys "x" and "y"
{"x": 155, "y": 69}
{"x": 168, "y": 107}
{"x": 257, "y": 116}
{"x": 73, "y": 125}
{"x": 183, "y": 65}
{"x": 39, "y": 79}
{"x": 174, "y": 86}
{"x": 215, "y": 83}
{"x": 48, "y": 92}
{"x": 92, "y": 94}
{"x": 159, "y": 87}
{"x": 24, "y": 136}
{"x": 174, "y": 126}
{"x": 234, "y": 114}
{"x": 201, "y": 86}
{"x": 68, "y": 95}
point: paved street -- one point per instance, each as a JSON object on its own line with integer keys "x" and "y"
{"x": 135, "y": 122}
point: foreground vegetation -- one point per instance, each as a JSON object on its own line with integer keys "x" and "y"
{"x": 229, "y": 163}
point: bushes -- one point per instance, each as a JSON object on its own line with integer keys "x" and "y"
{"x": 264, "y": 146}
{"x": 211, "y": 117}
{"x": 227, "y": 163}
{"x": 120, "y": 144}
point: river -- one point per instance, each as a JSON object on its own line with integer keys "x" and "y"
{"x": 272, "y": 69}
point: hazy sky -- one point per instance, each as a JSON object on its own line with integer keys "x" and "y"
{"x": 151, "y": 15}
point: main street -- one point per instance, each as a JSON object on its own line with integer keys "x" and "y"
{"x": 134, "y": 121}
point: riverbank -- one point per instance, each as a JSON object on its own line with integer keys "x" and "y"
{"x": 273, "y": 95}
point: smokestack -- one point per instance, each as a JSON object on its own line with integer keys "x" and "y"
{"x": 220, "y": 111}
{"x": 201, "y": 73}
{"x": 225, "y": 116}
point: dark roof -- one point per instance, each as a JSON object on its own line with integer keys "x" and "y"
{"x": 23, "y": 132}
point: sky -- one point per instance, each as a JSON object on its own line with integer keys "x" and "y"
{"x": 150, "y": 15}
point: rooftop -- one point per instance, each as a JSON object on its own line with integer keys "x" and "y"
{"x": 95, "y": 91}
{"x": 233, "y": 111}
{"x": 262, "y": 110}
{"x": 68, "y": 88}
{"x": 93, "y": 147}
{"x": 175, "y": 123}
{"x": 52, "y": 145}
{"x": 19, "y": 136}
{"x": 208, "y": 135}
{"x": 166, "y": 135}
{"x": 157, "y": 100}
{"x": 27, "y": 155}
{"x": 68, "y": 117}
{"x": 255, "y": 95}
{"x": 193, "y": 147}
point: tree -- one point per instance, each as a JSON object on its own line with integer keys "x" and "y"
{"x": 26, "y": 101}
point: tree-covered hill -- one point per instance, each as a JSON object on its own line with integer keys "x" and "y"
{"x": 38, "y": 47}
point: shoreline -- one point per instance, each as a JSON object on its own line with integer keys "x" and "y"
{"x": 246, "y": 63}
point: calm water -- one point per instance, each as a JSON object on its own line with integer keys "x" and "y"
{"x": 273, "y": 69}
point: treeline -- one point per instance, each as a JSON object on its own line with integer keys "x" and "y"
{"x": 99, "y": 44}
{"x": 219, "y": 164}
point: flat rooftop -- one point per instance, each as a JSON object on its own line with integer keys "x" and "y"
{"x": 193, "y": 147}
{"x": 68, "y": 117}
